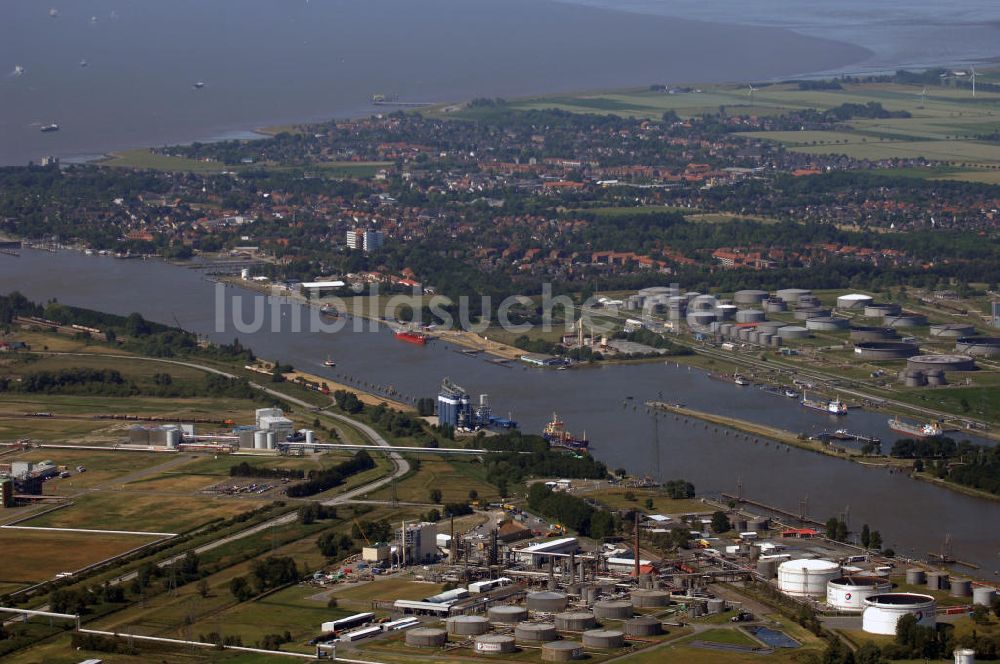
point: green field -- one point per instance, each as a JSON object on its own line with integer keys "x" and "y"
{"x": 139, "y": 511}
{"x": 35, "y": 556}
{"x": 943, "y": 126}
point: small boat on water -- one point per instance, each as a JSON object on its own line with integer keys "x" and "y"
{"x": 740, "y": 380}
{"x": 18, "y": 70}
{"x": 83, "y": 63}
{"x": 199, "y": 85}
{"x": 328, "y": 362}
{"x": 329, "y": 310}
{"x": 927, "y": 430}
{"x": 790, "y": 393}
{"x": 49, "y": 127}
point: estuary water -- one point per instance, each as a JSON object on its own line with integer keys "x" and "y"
{"x": 271, "y": 62}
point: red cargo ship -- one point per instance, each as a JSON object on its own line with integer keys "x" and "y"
{"x": 412, "y": 337}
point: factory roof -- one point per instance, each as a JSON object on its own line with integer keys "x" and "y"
{"x": 549, "y": 546}
{"x": 323, "y": 284}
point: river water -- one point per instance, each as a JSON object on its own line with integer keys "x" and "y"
{"x": 913, "y": 516}
{"x": 269, "y": 62}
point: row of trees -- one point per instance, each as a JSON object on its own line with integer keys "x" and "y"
{"x": 324, "y": 480}
{"x": 572, "y": 512}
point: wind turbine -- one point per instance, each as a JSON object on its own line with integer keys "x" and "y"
{"x": 750, "y": 90}
{"x": 923, "y": 96}
{"x": 972, "y": 77}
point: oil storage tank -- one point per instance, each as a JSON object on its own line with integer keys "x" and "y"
{"x": 467, "y": 625}
{"x": 561, "y": 651}
{"x": 507, "y": 615}
{"x": 750, "y": 316}
{"x": 961, "y": 588}
{"x": 978, "y": 346}
{"x": 546, "y": 601}
{"x": 869, "y": 333}
{"x": 575, "y": 621}
{"x": 905, "y": 320}
{"x": 494, "y": 644}
{"x": 941, "y": 363}
{"x": 648, "y": 599}
{"x": 854, "y": 301}
{"x": 613, "y": 609}
{"x": 793, "y": 332}
{"x": 535, "y": 632}
{"x": 603, "y": 638}
{"x": 882, "y": 612}
{"x": 983, "y": 595}
{"x": 885, "y": 350}
{"x": 881, "y": 310}
{"x": 916, "y": 576}
{"x": 952, "y": 330}
{"x": 775, "y": 305}
{"x": 805, "y": 313}
{"x": 426, "y": 637}
{"x": 806, "y": 577}
{"x": 826, "y": 324}
{"x": 848, "y": 593}
{"x": 793, "y": 295}
{"x": 643, "y": 626}
{"x": 749, "y": 297}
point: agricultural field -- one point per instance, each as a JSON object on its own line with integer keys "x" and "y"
{"x": 453, "y": 478}
{"x": 35, "y": 556}
{"x": 139, "y": 511}
{"x": 944, "y": 123}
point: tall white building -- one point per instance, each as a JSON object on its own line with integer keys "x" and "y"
{"x": 366, "y": 240}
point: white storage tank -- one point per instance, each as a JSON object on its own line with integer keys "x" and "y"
{"x": 269, "y": 440}
{"x": 854, "y": 301}
{"x": 749, "y": 316}
{"x": 849, "y": 593}
{"x": 807, "y": 577}
{"x": 965, "y": 656}
{"x": 882, "y": 612}
{"x": 310, "y": 436}
{"x": 172, "y": 437}
{"x": 260, "y": 440}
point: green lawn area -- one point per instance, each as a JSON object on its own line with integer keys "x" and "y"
{"x": 144, "y": 158}
{"x": 454, "y": 478}
{"x": 615, "y": 498}
{"x": 35, "y": 556}
{"x": 132, "y": 510}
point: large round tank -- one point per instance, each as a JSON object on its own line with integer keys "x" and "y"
{"x": 659, "y": 290}
{"x": 270, "y": 440}
{"x": 726, "y": 311}
{"x": 806, "y": 577}
{"x": 882, "y": 612}
{"x": 700, "y": 318}
{"x": 535, "y": 632}
{"x": 905, "y": 320}
{"x": 881, "y": 310}
{"x": 310, "y": 436}
{"x": 716, "y": 605}
{"x": 172, "y": 438}
{"x": 885, "y": 350}
{"x": 507, "y": 615}
{"x": 643, "y": 626}
{"x": 826, "y": 323}
{"x": 758, "y": 524}
{"x": 961, "y": 588}
{"x": 647, "y": 599}
{"x": 793, "y": 332}
{"x": 938, "y": 580}
{"x": 561, "y": 651}
{"x": 848, "y": 593}
{"x": 808, "y": 301}
{"x": 467, "y": 625}
{"x": 805, "y": 313}
{"x": 770, "y": 326}
{"x": 941, "y": 363}
{"x": 603, "y": 638}
{"x": 546, "y": 601}
{"x": 952, "y": 330}
{"x": 854, "y": 301}
{"x": 575, "y": 621}
{"x": 916, "y": 576}
{"x": 965, "y": 656}
{"x": 749, "y": 316}
{"x": 978, "y": 346}
{"x": 767, "y": 568}
{"x": 868, "y": 333}
{"x": 749, "y": 297}
{"x": 426, "y": 637}
{"x": 775, "y": 305}
{"x": 260, "y": 440}
{"x": 793, "y": 295}
{"x": 613, "y": 609}
{"x": 983, "y": 595}
{"x": 494, "y": 644}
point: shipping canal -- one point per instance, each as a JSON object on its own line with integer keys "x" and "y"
{"x": 605, "y": 402}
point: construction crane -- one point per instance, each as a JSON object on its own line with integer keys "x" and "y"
{"x": 362, "y": 531}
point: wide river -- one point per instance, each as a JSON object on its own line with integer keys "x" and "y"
{"x": 913, "y": 516}
{"x": 265, "y": 62}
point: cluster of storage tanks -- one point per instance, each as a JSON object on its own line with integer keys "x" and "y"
{"x": 547, "y": 621}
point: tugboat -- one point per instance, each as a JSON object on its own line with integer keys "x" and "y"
{"x": 412, "y": 337}
{"x": 928, "y": 430}
{"x": 835, "y": 407}
{"x": 557, "y": 436}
